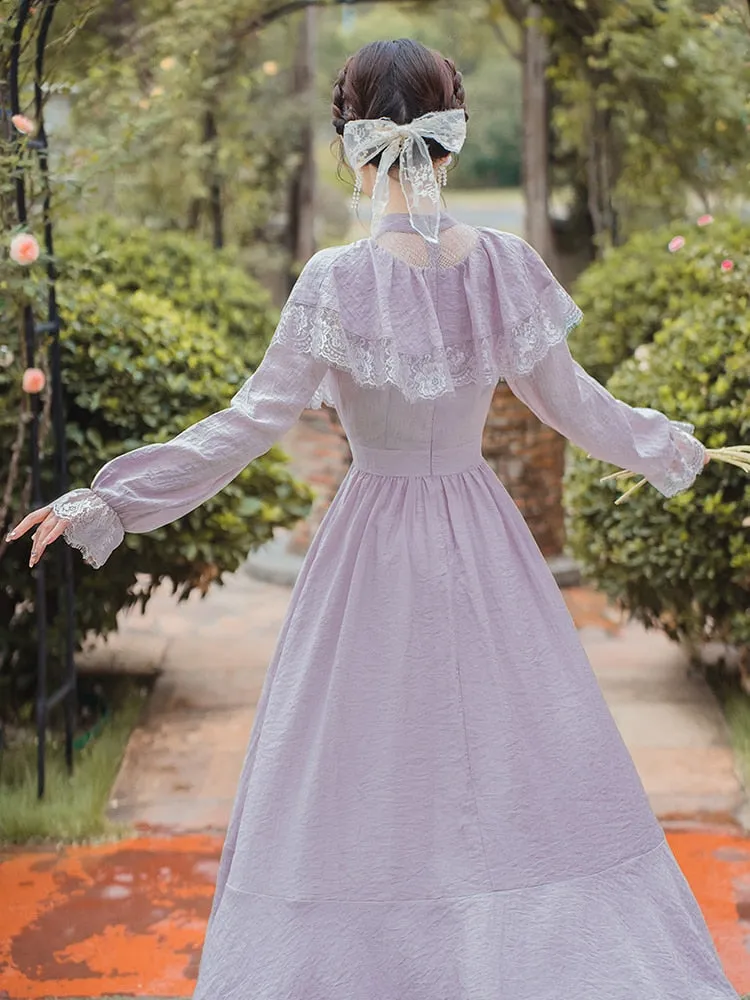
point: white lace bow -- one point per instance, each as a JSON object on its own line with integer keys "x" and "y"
{"x": 365, "y": 138}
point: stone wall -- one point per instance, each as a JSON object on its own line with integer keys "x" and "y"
{"x": 319, "y": 454}
{"x": 529, "y": 460}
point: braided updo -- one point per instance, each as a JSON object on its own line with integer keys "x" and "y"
{"x": 401, "y": 80}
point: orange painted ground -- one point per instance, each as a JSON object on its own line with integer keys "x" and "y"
{"x": 129, "y": 918}
{"x": 124, "y": 918}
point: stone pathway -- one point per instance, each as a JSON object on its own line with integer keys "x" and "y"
{"x": 671, "y": 723}
{"x": 182, "y": 765}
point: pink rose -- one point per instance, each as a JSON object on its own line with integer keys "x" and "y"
{"x": 24, "y": 249}
{"x": 727, "y": 265}
{"x": 705, "y": 220}
{"x": 24, "y": 125}
{"x": 33, "y": 380}
{"x": 676, "y": 244}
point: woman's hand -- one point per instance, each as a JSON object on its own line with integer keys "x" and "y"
{"x": 706, "y": 460}
{"x": 50, "y": 528}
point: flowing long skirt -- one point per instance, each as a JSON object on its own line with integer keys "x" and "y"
{"x": 436, "y": 803}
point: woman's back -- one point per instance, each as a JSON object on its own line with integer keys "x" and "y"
{"x": 425, "y": 430}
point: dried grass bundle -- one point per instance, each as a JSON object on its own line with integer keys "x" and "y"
{"x": 738, "y": 455}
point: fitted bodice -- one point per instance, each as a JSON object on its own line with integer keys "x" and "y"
{"x": 392, "y": 436}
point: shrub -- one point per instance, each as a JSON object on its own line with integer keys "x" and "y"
{"x": 137, "y": 370}
{"x": 681, "y": 564}
{"x": 636, "y": 288}
{"x": 200, "y": 281}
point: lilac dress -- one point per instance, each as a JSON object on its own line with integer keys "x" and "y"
{"x": 436, "y": 803}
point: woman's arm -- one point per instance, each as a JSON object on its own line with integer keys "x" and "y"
{"x": 536, "y": 316}
{"x": 154, "y": 485}
{"x": 565, "y": 397}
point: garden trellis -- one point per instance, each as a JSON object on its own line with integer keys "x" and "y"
{"x": 34, "y": 328}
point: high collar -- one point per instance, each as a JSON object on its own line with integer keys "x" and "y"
{"x": 400, "y": 222}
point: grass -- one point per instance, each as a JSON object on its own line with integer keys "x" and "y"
{"x": 74, "y": 806}
{"x": 735, "y": 704}
{"x": 737, "y": 712}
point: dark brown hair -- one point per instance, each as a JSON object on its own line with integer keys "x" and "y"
{"x": 401, "y": 80}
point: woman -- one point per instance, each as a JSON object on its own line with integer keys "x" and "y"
{"x": 436, "y": 803}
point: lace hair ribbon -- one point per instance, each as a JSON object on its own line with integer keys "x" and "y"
{"x": 365, "y": 138}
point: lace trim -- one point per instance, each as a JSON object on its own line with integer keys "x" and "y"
{"x": 690, "y": 461}
{"x": 528, "y": 342}
{"x": 94, "y": 528}
{"x": 317, "y": 330}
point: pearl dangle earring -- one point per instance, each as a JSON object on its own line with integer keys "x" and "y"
{"x": 442, "y": 174}
{"x": 357, "y": 192}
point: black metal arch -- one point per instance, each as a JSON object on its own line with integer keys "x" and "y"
{"x": 49, "y": 326}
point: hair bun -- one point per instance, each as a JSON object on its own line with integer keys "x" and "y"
{"x": 401, "y": 80}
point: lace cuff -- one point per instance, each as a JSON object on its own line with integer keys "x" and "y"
{"x": 686, "y": 465}
{"x": 94, "y": 528}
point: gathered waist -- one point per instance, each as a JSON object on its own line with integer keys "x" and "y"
{"x": 422, "y": 462}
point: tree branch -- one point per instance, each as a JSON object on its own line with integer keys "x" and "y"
{"x": 293, "y": 6}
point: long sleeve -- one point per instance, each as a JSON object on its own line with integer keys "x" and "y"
{"x": 154, "y": 485}
{"x": 536, "y": 316}
{"x": 565, "y": 397}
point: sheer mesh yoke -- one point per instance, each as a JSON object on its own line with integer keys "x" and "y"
{"x": 456, "y": 243}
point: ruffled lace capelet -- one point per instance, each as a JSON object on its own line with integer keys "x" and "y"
{"x": 427, "y": 319}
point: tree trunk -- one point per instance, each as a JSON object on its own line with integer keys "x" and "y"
{"x": 213, "y": 185}
{"x": 526, "y": 455}
{"x": 303, "y": 186}
{"x": 536, "y": 136}
{"x": 211, "y": 135}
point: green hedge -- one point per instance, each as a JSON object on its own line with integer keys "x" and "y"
{"x": 680, "y": 564}
{"x": 139, "y": 369}
{"x": 630, "y": 294}
{"x": 195, "y": 278}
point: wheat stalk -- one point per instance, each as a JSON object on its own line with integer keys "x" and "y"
{"x": 737, "y": 455}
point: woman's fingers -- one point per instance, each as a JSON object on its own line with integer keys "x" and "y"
{"x": 50, "y": 530}
{"x": 35, "y": 517}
